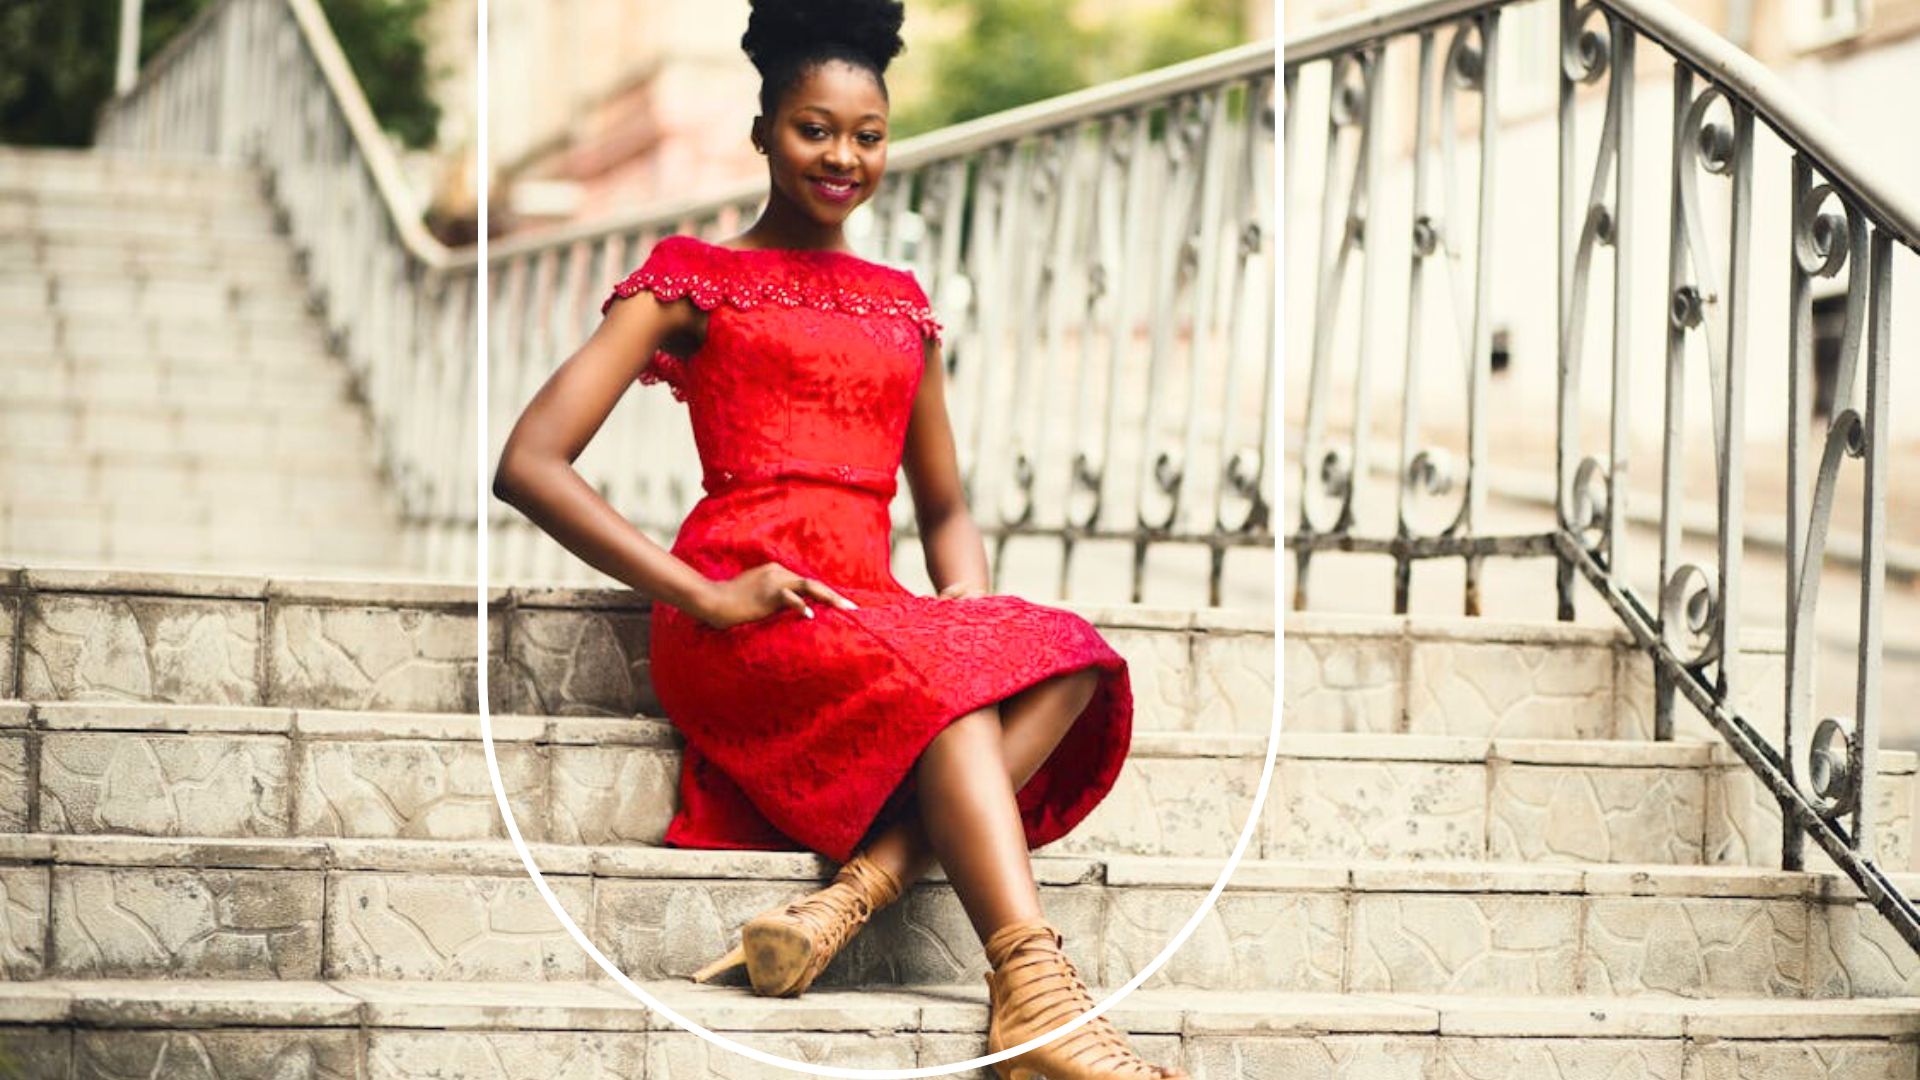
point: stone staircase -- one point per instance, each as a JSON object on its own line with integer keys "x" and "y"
{"x": 249, "y": 832}
{"x": 167, "y": 398}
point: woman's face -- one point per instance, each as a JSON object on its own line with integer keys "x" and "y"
{"x": 827, "y": 144}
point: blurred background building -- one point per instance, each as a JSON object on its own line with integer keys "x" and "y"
{"x": 601, "y": 107}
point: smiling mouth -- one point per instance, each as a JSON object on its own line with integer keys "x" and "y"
{"x": 834, "y": 187}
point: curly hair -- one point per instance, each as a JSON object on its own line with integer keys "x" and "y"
{"x": 785, "y": 39}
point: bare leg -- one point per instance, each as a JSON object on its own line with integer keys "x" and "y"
{"x": 1032, "y": 723}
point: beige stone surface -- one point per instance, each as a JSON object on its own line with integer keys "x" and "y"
{"x": 9, "y": 629}
{"x": 575, "y": 663}
{"x": 1802, "y": 1060}
{"x": 612, "y": 794}
{"x": 15, "y": 786}
{"x": 164, "y": 785}
{"x": 417, "y": 789}
{"x": 153, "y": 921}
{"x": 1539, "y": 813}
{"x": 216, "y": 1055}
{"x": 1464, "y": 944}
{"x": 1169, "y": 806}
{"x": 1327, "y": 1057}
{"x": 681, "y": 1054}
{"x": 1234, "y": 682}
{"x": 1852, "y": 951}
{"x": 1160, "y": 668}
{"x": 132, "y": 648}
{"x": 416, "y": 926}
{"x": 1562, "y": 691}
{"x": 1247, "y": 941}
{"x": 1326, "y": 809}
{"x": 372, "y": 657}
{"x": 506, "y": 1055}
{"x": 1695, "y": 947}
{"x": 1343, "y": 684}
{"x": 1562, "y": 1059}
{"x": 23, "y": 922}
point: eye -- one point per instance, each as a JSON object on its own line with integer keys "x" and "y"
{"x": 812, "y": 131}
{"x": 871, "y": 138}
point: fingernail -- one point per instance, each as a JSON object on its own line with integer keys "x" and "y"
{"x": 807, "y": 611}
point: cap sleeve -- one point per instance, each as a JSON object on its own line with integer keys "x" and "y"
{"x": 921, "y": 311}
{"x": 673, "y": 269}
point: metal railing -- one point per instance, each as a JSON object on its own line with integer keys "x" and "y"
{"x": 263, "y": 83}
{"x": 1834, "y": 223}
{"x": 1102, "y": 263}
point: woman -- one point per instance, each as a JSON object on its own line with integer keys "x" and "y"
{"x": 823, "y": 705}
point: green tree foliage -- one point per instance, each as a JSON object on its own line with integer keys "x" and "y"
{"x": 57, "y": 57}
{"x": 1018, "y": 51}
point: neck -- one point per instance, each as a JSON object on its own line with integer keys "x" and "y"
{"x": 784, "y": 225}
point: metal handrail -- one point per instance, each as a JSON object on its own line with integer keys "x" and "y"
{"x": 1773, "y": 101}
{"x": 1837, "y": 218}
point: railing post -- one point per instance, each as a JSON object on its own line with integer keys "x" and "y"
{"x": 126, "y": 69}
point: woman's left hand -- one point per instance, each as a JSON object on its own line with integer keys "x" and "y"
{"x": 962, "y": 590}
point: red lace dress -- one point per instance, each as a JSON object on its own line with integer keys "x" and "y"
{"x": 802, "y": 733}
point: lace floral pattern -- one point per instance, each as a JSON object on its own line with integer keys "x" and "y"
{"x": 802, "y": 733}
{"x": 746, "y": 280}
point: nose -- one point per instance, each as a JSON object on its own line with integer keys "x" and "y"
{"x": 840, "y": 154}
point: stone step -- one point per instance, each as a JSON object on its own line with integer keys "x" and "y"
{"x": 410, "y": 646}
{"x": 1457, "y": 676}
{"x": 103, "y": 768}
{"x": 123, "y": 174}
{"x": 424, "y": 910}
{"x": 41, "y": 333}
{"x": 596, "y": 1030}
{"x": 34, "y": 212}
{"x": 256, "y": 264}
{"x": 200, "y": 479}
{"x": 215, "y": 512}
{"x": 78, "y": 326}
{"x": 264, "y": 359}
{"x": 76, "y": 296}
{"x": 312, "y": 771}
{"x": 111, "y": 248}
{"x": 322, "y": 428}
{"x": 176, "y": 386}
{"x": 52, "y": 386}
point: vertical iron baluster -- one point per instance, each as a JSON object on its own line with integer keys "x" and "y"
{"x": 1424, "y": 244}
{"x": 1481, "y": 361}
{"x": 1671, "y": 444}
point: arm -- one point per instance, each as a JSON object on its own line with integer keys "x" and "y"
{"x": 536, "y": 475}
{"x": 956, "y": 555}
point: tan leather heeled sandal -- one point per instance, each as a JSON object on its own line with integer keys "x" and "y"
{"x": 785, "y": 948}
{"x": 1032, "y": 989}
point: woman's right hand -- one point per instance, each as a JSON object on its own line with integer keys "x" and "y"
{"x": 762, "y": 591}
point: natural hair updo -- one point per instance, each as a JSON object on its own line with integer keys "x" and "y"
{"x": 787, "y": 38}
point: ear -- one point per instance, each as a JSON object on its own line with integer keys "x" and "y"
{"x": 757, "y": 134}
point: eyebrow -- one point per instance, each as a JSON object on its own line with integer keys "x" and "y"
{"x": 825, "y": 112}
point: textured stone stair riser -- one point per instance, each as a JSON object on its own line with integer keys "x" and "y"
{"x": 236, "y": 217}
{"x": 225, "y": 255}
{"x": 169, "y": 327}
{"x": 238, "y": 360}
{"x": 87, "y": 481}
{"x": 121, "y": 175}
{"x": 215, "y": 515}
{"x": 558, "y": 652}
{"x": 325, "y": 1031}
{"x": 126, "y": 389}
{"x": 273, "y": 267}
{"x": 164, "y": 299}
{"x": 341, "y": 775}
{"x": 1433, "y": 676}
{"x": 137, "y": 545}
{"x": 239, "y": 191}
{"x": 471, "y": 914}
{"x": 242, "y": 433}
{"x": 311, "y": 375}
